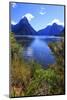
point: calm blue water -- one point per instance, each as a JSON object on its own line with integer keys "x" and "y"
{"x": 39, "y": 51}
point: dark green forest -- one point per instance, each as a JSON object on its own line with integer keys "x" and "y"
{"x": 31, "y": 78}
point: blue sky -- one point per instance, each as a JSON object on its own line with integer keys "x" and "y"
{"x": 38, "y": 15}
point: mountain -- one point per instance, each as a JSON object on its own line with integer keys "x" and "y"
{"x": 51, "y": 30}
{"x": 23, "y": 28}
{"x": 62, "y": 33}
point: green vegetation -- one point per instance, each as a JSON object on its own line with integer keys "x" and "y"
{"x": 58, "y": 49}
{"x": 30, "y": 78}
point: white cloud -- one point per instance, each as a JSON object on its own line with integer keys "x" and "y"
{"x": 56, "y": 21}
{"x": 42, "y": 11}
{"x": 13, "y": 22}
{"x": 29, "y": 16}
{"x": 13, "y": 5}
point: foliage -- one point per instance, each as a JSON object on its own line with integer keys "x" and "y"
{"x": 31, "y": 78}
{"x": 20, "y": 72}
{"x": 58, "y": 49}
{"x": 46, "y": 82}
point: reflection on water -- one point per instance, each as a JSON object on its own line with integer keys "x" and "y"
{"x": 38, "y": 50}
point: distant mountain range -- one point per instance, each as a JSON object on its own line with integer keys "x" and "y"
{"x": 24, "y": 28}
{"x": 51, "y": 30}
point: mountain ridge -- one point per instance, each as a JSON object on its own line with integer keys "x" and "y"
{"x": 51, "y": 30}
{"x": 24, "y": 28}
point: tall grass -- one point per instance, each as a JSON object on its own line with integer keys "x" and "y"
{"x": 30, "y": 78}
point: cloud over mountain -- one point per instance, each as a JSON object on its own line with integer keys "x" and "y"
{"x": 56, "y": 21}
{"x": 29, "y": 16}
{"x": 13, "y": 22}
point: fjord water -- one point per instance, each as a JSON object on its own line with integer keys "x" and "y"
{"x": 39, "y": 50}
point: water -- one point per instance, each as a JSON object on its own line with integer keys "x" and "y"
{"x": 38, "y": 50}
